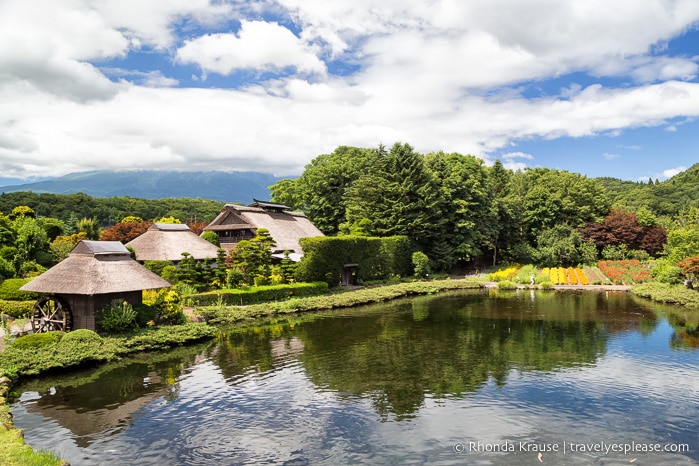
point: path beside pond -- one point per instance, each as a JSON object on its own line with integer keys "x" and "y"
{"x": 572, "y": 287}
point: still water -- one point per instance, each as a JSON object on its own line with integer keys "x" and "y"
{"x": 488, "y": 378}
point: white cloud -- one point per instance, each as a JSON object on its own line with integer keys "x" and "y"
{"x": 670, "y": 172}
{"x": 258, "y": 45}
{"x": 608, "y": 156}
{"x": 517, "y": 155}
{"x": 441, "y": 75}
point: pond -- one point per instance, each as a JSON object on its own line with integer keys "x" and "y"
{"x": 480, "y": 377}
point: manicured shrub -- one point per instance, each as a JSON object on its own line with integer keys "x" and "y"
{"x": 377, "y": 258}
{"x": 157, "y": 267}
{"x": 421, "y": 264}
{"x": 17, "y": 309}
{"x": 82, "y": 335}
{"x": 118, "y": 317}
{"x": 525, "y": 273}
{"x": 167, "y": 307}
{"x": 9, "y": 289}
{"x": 507, "y": 273}
{"x": 37, "y": 340}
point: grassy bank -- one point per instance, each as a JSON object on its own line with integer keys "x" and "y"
{"x": 222, "y": 314}
{"x": 68, "y": 352}
{"x": 670, "y": 294}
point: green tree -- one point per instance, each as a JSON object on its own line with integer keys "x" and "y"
{"x": 399, "y": 197}
{"x": 168, "y": 220}
{"x": 52, "y": 226}
{"x": 211, "y": 237}
{"x": 558, "y": 246}
{"x": 320, "y": 190}
{"x": 90, "y": 226}
{"x": 464, "y": 206}
{"x": 32, "y": 244}
{"x": 61, "y": 246}
{"x": 252, "y": 259}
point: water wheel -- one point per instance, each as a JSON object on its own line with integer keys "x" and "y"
{"x": 51, "y": 313}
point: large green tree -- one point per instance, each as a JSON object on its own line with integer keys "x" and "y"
{"x": 464, "y": 207}
{"x": 399, "y": 196}
{"x": 320, "y": 190}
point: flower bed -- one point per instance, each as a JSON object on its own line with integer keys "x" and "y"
{"x": 625, "y": 272}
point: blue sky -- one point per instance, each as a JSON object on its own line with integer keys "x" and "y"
{"x": 596, "y": 87}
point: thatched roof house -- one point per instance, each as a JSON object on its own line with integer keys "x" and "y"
{"x": 236, "y": 223}
{"x": 94, "y": 274}
{"x": 167, "y": 242}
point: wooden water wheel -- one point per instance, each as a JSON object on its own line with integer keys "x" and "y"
{"x": 51, "y": 313}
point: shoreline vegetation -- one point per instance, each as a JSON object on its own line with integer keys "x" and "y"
{"x": 16, "y": 364}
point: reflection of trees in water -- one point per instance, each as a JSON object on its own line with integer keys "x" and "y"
{"x": 105, "y": 399}
{"x": 448, "y": 345}
{"x": 396, "y": 353}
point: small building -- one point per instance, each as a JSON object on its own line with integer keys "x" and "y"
{"x": 167, "y": 242}
{"x": 236, "y": 223}
{"x": 93, "y": 275}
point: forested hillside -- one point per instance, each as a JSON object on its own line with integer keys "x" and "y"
{"x": 70, "y": 208}
{"x": 457, "y": 210}
{"x": 664, "y": 198}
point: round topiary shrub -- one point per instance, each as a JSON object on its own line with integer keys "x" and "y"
{"x": 37, "y": 340}
{"x": 82, "y": 335}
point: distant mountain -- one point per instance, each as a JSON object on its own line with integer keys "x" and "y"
{"x": 156, "y": 184}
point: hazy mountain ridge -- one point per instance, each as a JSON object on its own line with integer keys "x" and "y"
{"x": 156, "y": 184}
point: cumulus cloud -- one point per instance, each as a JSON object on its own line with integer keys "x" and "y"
{"x": 258, "y": 45}
{"x": 441, "y": 75}
{"x": 670, "y": 172}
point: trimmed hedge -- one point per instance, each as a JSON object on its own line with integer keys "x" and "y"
{"x": 9, "y": 289}
{"x": 378, "y": 258}
{"x": 259, "y": 294}
{"x": 17, "y": 309}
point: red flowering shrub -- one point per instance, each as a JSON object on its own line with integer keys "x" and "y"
{"x": 626, "y": 272}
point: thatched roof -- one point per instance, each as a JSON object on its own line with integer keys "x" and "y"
{"x": 285, "y": 227}
{"x": 167, "y": 242}
{"x": 93, "y": 268}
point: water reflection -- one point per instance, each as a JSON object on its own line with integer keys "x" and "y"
{"x": 396, "y": 383}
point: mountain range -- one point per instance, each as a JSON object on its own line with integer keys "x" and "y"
{"x": 156, "y": 184}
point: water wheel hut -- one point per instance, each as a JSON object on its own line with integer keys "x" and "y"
{"x": 93, "y": 275}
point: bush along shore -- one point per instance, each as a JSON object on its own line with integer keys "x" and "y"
{"x": 222, "y": 314}
{"x": 40, "y": 353}
{"x": 670, "y": 294}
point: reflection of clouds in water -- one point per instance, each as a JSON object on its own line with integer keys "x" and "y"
{"x": 636, "y": 389}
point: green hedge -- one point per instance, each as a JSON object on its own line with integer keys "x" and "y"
{"x": 18, "y": 309}
{"x": 9, "y": 289}
{"x": 259, "y": 294}
{"x": 378, "y": 258}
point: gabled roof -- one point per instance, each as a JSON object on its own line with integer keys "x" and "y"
{"x": 96, "y": 267}
{"x": 167, "y": 242}
{"x": 286, "y": 228}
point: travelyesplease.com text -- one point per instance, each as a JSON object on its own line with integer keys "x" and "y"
{"x": 566, "y": 447}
